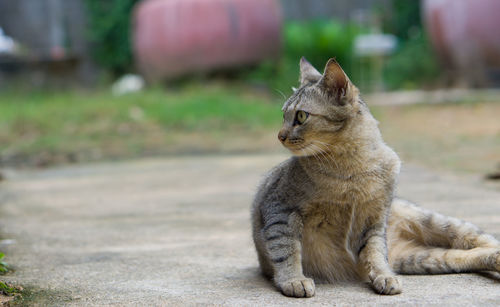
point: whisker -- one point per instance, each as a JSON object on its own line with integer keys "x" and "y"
{"x": 321, "y": 152}
{"x": 277, "y": 90}
{"x": 326, "y": 152}
{"x": 310, "y": 151}
{"x": 318, "y": 157}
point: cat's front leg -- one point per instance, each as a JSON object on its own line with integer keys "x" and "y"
{"x": 282, "y": 235}
{"x": 373, "y": 258}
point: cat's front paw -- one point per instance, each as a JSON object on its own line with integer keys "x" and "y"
{"x": 387, "y": 284}
{"x": 298, "y": 287}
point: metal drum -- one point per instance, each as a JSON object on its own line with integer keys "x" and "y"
{"x": 177, "y": 37}
{"x": 466, "y": 36}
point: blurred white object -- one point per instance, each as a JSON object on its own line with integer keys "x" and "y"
{"x": 375, "y": 44}
{"x": 129, "y": 83}
{"x": 7, "y": 242}
{"x": 7, "y": 44}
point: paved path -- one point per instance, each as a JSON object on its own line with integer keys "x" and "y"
{"x": 177, "y": 232}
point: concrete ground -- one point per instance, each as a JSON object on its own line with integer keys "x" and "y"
{"x": 176, "y": 232}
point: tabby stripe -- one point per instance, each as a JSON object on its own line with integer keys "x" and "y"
{"x": 370, "y": 232}
{"x": 278, "y": 234}
{"x": 361, "y": 248}
{"x": 286, "y": 210}
{"x": 280, "y": 259}
{"x": 279, "y": 246}
{"x": 427, "y": 220}
{"x": 274, "y": 237}
{"x": 278, "y": 222}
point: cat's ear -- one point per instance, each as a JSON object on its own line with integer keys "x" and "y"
{"x": 308, "y": 74}
{"x": 334, "y": 80}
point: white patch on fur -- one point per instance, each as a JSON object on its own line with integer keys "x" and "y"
{"x": 306, "y": 151}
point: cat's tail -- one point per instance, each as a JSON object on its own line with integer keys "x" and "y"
{"x": 423, "y": 242}
{"x": 412, "y": 223}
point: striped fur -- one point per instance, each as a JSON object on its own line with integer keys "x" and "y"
{"x": 328, "y": 213}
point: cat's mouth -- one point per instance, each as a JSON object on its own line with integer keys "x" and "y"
{"x": 300, "y": 150}
{"x": 305, "y": 150}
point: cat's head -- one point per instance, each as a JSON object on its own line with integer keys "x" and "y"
{"x": 321, "y": 115}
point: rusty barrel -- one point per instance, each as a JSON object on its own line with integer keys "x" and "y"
{"x": 465, "y": 34}
{"x": 177, "y": 37}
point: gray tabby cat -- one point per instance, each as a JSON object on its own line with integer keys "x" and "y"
{"x": 329, "y": 212}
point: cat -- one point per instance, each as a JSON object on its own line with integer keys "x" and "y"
{"x": 329, "y": 212}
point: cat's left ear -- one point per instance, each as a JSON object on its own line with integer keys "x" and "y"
{"x": 334, "y": 80}
{"x": 308, "y": 74}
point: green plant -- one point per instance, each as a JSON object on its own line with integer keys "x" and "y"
{"x": 39, "y": 128}
{"x": 109, "y": 31}
{"x": 403, "y": 20}
{"x": 317, "y": 40}
{"x": 4, "y": 268}
{"x": 8, "y": 290}
{"x": 414, "y": 64}
{"x": 320, "y": 40}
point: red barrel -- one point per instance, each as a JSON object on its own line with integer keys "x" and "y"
{"x": 465, "y": 34}
{"x": 176, "y": 37}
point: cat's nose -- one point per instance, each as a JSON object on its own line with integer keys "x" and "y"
{"x": 282, "y": 135}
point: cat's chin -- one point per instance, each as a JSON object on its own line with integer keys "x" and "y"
{"x": 304, "y": 151}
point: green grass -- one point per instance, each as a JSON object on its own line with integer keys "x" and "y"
{"x": 4, "y": 268}
{"x": 75, "y": 123}
{"x": 6, "y": 289}
{"x": 50, "y": 128}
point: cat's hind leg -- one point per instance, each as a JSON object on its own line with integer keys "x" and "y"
{"x": 410, "y": 222}
{"x": 411, "y": 258}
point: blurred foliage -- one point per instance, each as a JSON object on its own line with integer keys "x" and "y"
{"x": 403, "y": 20}
{"x": 109, "y": 31}
{"x": 318, "y": 41}
{"x": 7, "y": 289}
{"x": 4, "y": 268}
{"x": 47, "y": 127}
{"x": 414, "y": 64}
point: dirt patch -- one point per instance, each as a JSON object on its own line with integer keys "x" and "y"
{"x": 457, "y": 137}
{"x": 40, "y": 297}
{"x": 9, "y": 293}
{"x": 4, "y": 300}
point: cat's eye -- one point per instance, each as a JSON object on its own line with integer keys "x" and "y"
{"x": 301, "y": 117}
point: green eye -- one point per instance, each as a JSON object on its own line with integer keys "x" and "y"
{"x": 301, "y": 117}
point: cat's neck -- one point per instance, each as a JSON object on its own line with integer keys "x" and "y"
{"x": 340, "y": 164}
{"x": 359, "y": 156}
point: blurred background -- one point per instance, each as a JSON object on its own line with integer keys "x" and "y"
{"x": 89, "y": 80}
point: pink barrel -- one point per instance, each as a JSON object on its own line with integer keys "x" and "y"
{"x": 465, "y": 33}
{"x": 176, "y": 37}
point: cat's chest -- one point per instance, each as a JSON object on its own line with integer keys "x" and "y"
{"x": 354, "y": 190}
{"x": 340, "y": 223}
{"x": 332, "y": 229}
{"x": 329, "y": 217}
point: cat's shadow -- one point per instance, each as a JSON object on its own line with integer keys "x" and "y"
{"x": 495, "y": 276}
{"x": 254, "y": 277}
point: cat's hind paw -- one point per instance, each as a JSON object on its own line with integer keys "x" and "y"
{"x": 387, "y": 284}
{"x": 299, "y": 287}
{"x": 496, "y": 260}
